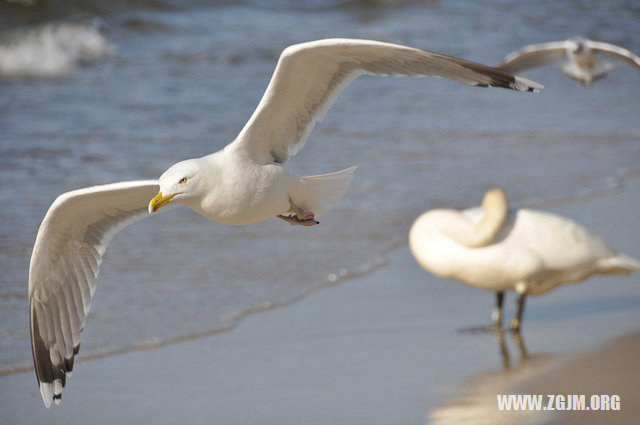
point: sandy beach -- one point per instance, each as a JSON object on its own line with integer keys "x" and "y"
{"x": 383, "y": 348}
{"x": 196, "y": 322}
{"x": 611, "y": 371}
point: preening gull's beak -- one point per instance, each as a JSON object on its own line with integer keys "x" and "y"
{"x": 159, "y": 201}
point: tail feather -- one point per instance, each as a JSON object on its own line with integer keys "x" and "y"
{"x": 621, "y": 264}
{"x": 319, "y": 193}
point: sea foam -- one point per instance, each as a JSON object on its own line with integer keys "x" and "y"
{"x": 51, "y": 50}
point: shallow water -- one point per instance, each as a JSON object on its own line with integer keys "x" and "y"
{"x": 180, "y": 81}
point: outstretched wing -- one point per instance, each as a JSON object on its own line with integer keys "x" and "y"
{"x": 535, "y": 55}
{"x": 309, "y": 76}
{"x": 615, "y": 52}
{"x": 64, "y": 265}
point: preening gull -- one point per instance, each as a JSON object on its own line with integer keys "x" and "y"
{"x": 246, "y": 182}
{"x": 497, "y": 249}
{"x": 577, "y": 55}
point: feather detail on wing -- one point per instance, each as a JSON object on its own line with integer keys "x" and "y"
{"x": 535, "y": 55}
{"x": 309, "y": 77}
{"x": 64, "y": 265}
{"x": 615, "y": 52}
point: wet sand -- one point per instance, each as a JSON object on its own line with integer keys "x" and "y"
{"x": 380, "y": 349}
{"x": 611, "y": 370}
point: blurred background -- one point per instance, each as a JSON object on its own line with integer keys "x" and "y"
{"x": 93, "y": 92}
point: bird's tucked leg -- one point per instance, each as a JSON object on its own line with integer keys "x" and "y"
{"x": 516, "y": 322}
{"x": 496, "y": 314}
{"x": 300, "y": 216}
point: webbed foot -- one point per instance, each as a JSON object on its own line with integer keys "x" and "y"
{"x": 296, "y": 221}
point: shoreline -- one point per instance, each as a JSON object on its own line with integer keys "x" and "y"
{"x": 356, "y": 272}
{"x": 380, "y": 348}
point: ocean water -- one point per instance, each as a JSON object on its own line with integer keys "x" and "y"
{"x": 98, "y": 92}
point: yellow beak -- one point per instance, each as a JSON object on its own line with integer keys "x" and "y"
{"x": 159, "y": 201}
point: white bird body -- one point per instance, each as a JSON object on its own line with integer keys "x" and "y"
{"x": 246, "y": 192}
{"x": 577, "y": 57}
{"x": 235, "y": 189}
{"x": 535, "y": 251}
{"x": 244, "y": 183}
{"x": 582, "y": 64}
{"x": 532, "y": 253}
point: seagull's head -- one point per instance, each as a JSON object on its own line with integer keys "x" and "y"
{"x": 578, "y": 48}
{"x": 180, "y": 184}
{"x": 581, "y": 53}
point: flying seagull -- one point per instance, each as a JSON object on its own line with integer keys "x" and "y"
{"x": 526, "y": 251}
{"x": 246, "y": 182}
{"x": 577, "y": 55}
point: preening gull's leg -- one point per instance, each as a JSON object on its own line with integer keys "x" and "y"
{"x": 516, "y": 322}
{"x": 496, "y": 315}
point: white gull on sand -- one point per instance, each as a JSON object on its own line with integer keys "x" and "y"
{"x": 527, "y": 251}
{"x": 246, "y": 182}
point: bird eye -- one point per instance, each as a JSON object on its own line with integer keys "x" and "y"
{"x": 183, "y": 180}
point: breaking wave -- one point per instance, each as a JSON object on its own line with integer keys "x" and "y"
{"x": 51, "y": 50}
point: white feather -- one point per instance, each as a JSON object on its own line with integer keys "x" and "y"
{"x": 309, "y": 77}
{"x": 244, "y": 183}
{"x": 534, "y": 252}
{"x": 319, "y": 193}
{"x": 65, "y": 263}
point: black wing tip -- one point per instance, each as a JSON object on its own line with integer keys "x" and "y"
{"x": 51, "y": 377}
{"x": 526, "y": 85}
{"x": 501, "y": 77}
{"x": 68, "y": 364}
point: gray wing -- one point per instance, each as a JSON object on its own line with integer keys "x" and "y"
{"x": 309, "y": 76}
{"x": 535, "y": 55}
{"x": 615, "y": 52}
{"x": 64, "y": 265}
